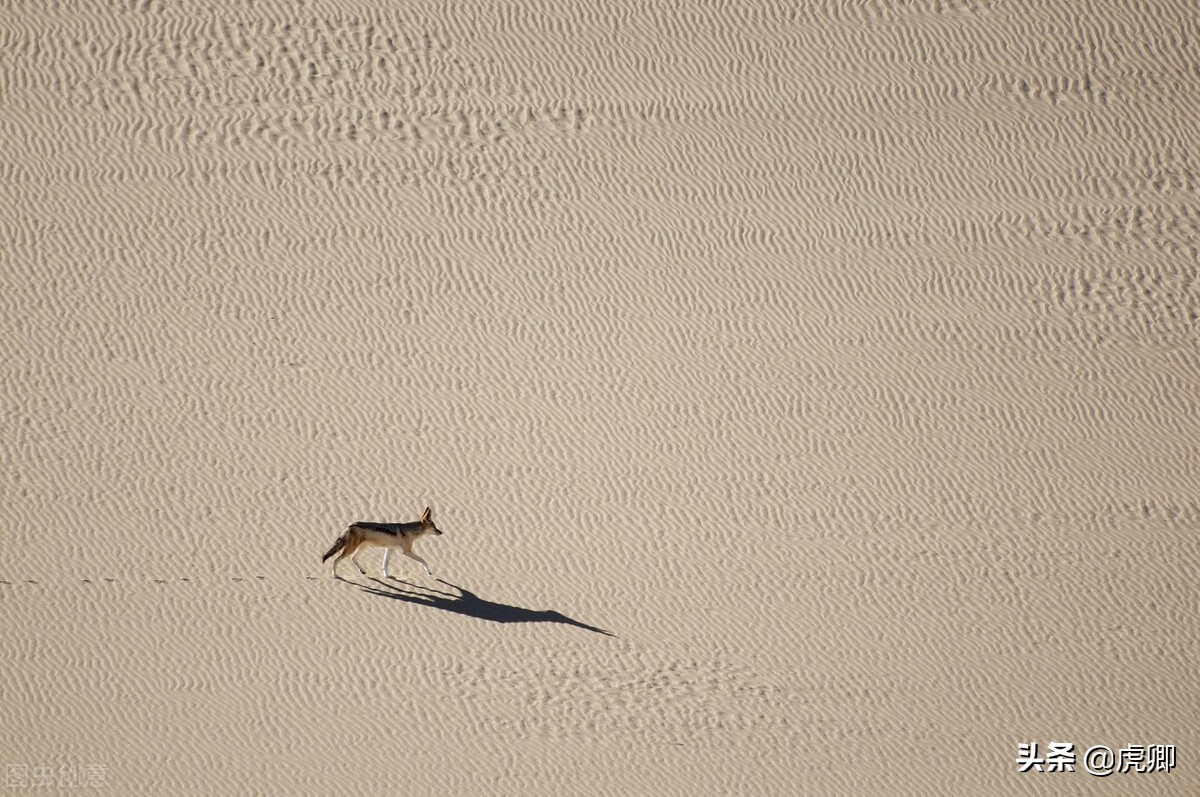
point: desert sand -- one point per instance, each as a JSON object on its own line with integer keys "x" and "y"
{"x": 809, "y": 395}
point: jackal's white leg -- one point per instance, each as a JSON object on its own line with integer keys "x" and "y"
{"x": 386, "y": 553}
{"x": 424, "y": 564}
{"x": 356, "y": 564}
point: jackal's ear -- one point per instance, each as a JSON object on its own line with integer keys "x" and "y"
{"x": 425, "y": 515}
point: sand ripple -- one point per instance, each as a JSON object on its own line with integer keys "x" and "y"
{"x": 838, "y": 360}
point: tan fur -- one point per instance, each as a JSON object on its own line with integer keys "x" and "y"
{"x": 389, "y": 536}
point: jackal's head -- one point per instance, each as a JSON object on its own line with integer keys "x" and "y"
{"x": 427, "y": 523}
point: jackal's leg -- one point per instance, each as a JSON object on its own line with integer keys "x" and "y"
{"x": 354, "y": 558}
{"x": 416, "y": 558}
{"x": 386, "y": 553}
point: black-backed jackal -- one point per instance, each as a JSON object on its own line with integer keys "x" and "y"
{"x": 388, "y": 536}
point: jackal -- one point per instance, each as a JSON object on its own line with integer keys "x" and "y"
{"x": 386, "y": 535}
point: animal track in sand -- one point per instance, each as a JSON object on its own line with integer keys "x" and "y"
{"x": 108, "y": 580}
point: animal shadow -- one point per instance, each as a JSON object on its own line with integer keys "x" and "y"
{"x": 471, "y": 605}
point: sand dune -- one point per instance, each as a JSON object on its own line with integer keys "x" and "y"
{"x": 809, "y": 395}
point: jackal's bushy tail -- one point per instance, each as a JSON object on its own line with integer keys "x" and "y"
{"x": 338, "y": 545}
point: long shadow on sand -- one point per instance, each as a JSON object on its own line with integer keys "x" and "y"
{"x": 471, "y": 605}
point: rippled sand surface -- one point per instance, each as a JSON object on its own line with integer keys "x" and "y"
{"x": 809, "y": 394}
